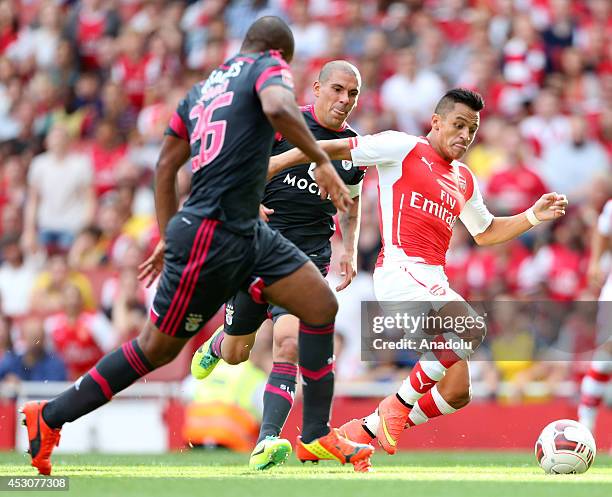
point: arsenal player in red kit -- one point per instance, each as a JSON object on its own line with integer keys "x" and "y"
{"x": 423, "y": 190}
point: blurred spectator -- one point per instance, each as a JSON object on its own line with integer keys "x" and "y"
{"x": 356, "y": 27}
{"x": 82, "y": 109}
{"x": 515, "y": 186}
{"x": 60, "y": 198}
{"x": 132, "y": 70}
{"x": 560, "y": 32}
{"x": 39, "y": 41}
{"x": 86, "y": 251}
{"x": 560, "y": 267}
{"x": 500, "y": 25}
{"x": 80, "y": 337}
{"x": 581, "y": 92}
{"x": 487, "y": 155}
{"x": 512, "y": 345}
{"x": 574, "y": 165}
{"x": 6, "y": 341}
{"x": 310, "y": 36}
{"x": 105, "y": 153}
{"x": 424, "y": 87}
{"x": 117, "y": 109}
{"x": 524, "y": 60}
{"x": 90, "y": 21}
{"x": 64, "y": 72}
{"x": 9, "y": 25}
{"x": 47, "y": 295}
{"x": 13, "y": 185}
{"x": 110, "y": 221}
{"x": 35, "y": 363}
{"x": 240, "y": 14}
{"x": 547, "y": 127}
{"x": 122, "y": 290}
{"x": 17, "y": 277}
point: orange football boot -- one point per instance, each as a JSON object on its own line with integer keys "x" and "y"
{"x": 42, "y": 438}
{"x": 333, "y": 447}
{"x": 355, "y": 432}
{"x": 393, "y": 418}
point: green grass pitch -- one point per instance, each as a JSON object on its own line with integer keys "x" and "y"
{"x": 219, "y": 473}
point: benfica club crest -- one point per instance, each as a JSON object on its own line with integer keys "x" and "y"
{"x": 193, "y": 322}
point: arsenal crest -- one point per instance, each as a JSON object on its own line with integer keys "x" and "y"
{"x": 462, "y": 184}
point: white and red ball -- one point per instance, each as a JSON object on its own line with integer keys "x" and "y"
{"x": 565, "y": 446}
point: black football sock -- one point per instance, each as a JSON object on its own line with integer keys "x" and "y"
{"x": 277, "y": 399}
{"x": 316, "y": 353}
{"x": 113, "y": 373}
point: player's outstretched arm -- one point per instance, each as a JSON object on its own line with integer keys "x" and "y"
{"x": 174, "y": 153}
{"x": 549, "y": 207}
{"x": 336, "y": 150}
{"x": 280, "y": 108}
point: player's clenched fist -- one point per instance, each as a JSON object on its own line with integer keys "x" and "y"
{"x": 550, "y": 206}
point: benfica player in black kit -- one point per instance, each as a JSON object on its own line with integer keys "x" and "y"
{"x": 216, "y": 244}
{"x": 304, "y": 218}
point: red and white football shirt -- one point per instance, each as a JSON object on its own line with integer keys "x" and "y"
{"x": 421, "y": 195}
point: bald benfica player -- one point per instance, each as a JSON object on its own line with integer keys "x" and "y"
{"x": 216, "y": 244}
{"x": 423, "y": 190}
{"x": 305, "y": 219}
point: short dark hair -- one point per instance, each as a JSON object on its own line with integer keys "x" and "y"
{"x": 338, "y": 65}
{"x": 269, "y": 33}
{"x": 464, "y": 96}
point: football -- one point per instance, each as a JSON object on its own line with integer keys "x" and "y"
{"x": 565, "y": 447}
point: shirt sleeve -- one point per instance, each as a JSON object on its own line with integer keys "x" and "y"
{"x": 388, "y": 148}
{"x": 475, "y": 215}
{"x": 604, "y": 223}
{"x": 177, "y": 126}
{"x": 355, "y": 190}
{"x": 273, "y": 70}
{"x": 355, "y": 185}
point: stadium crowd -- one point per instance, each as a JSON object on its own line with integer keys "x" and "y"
{"x": 87, "y": 89}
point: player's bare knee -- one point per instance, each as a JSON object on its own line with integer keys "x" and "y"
{"x": 286, "y": 349}
{"x": 326, "y": 310}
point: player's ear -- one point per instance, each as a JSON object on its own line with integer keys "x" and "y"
{"x": 316, "y": 88}
{"x": 436, "y": 121}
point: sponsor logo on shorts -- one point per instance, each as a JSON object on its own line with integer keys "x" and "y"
{"x": 437, "y": 290}
{"x": 193, "y": 322}
{"x": 229, "y": 314}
